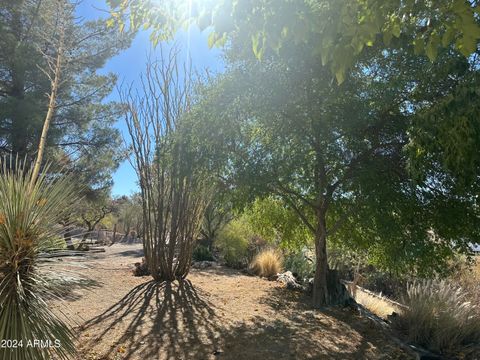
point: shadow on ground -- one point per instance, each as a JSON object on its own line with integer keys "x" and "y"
{"x": 178, "y": 321}
{"x": 160, "y": 320}
{"x": 329, "y": 333}
{"x": 131, "y": 253}
{"x": 70, "y": 288}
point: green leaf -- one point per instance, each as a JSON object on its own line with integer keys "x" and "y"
{"x": 448, "y": 36}
{"x": 419, "y": 46}
{"x": 222, "y": 40}
{"x": 358, "y": 46}
{"x": 396, "y": 30}
{"x": 211, "y": 39}
{"x": 431, "y": 50}
{"x": 326, "y": 49}
{"x": 258, "y": 41}
{"x": 340, "y": 75}
{"x": 154, "y": 39}
{"x": 466, "y": 45}
{"x": 324, "y": 55}
{"x": 432, "y": 47}
{"x": 387, "y": 37}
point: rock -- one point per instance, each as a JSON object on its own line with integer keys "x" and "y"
{"x": 141, "y": 269}
{"x": 203, "y": 264}
{"x": 289, "y": 280}
{"x": 308, "y": 288}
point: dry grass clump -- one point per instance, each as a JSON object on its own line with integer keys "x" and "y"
{"x": 440, "y": 317}
{"x": 267, "y": 263}
{"x": 468, "y": 277}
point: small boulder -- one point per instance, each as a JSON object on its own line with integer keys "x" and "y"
{"x": 289, "y": 280}
{"x": 141, "y": 269}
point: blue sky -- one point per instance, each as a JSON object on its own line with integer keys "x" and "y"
{"x": 129, "y": 64}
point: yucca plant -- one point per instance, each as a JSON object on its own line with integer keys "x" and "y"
{"x": 29, "y": 213}
{"x": 440, "y": 316}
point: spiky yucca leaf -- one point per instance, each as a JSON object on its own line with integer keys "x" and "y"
{"x": 28, "y": 219}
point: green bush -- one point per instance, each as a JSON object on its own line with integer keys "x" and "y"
{"x": 202, "y": 253}
{"x": 440, "y": 317}
{"x": 233, "y": 242}
{"x": 28, "y": 218}
{"x": 301, "y": 263}
{"x": 277, "y": 224}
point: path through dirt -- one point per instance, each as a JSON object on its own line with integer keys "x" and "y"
{"x": 217, "y": 313}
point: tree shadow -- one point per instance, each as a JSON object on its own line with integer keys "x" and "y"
{"x": 70, "y": 288}
{"x": 177, "y": 321}
{"x": 132, "y": 253}
{"x": 330, "y": 333}
{"x": 173, "y": 320}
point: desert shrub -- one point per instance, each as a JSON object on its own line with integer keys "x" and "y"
{"x": 232, "y": 243}
{"x": 202, "y": 253}
{"x": 439, "y": 317}
{"x": 468, "y": 277}
{"x": 267, "y": 263}
{"x": 301, "y": 264}
{"x": 28, "y": 218}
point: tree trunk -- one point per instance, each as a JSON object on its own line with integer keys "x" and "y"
{"x": 55, "y": 83}
{"x": 320, "y": 285}
{"x": 127, "y": 237}
{"x": 48, "y": 119}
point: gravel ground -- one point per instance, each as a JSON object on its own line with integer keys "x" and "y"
{"x": 217, "y": 313}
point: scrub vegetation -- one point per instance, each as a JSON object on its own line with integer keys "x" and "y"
{"x": 329, "y": 172}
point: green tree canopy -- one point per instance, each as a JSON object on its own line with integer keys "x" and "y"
{"x": 337, "y": 32}
{"x": 81, "y": 136}
{"x": 350, "y": 160}
{"x": 374, "y": 160}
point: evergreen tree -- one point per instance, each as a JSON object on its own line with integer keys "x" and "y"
{"x": 81, "y": 136}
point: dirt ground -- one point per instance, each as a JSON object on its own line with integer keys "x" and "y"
{"x": 217, "y": 313}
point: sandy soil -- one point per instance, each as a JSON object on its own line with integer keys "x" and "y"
{"x": 217, "y": 313}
